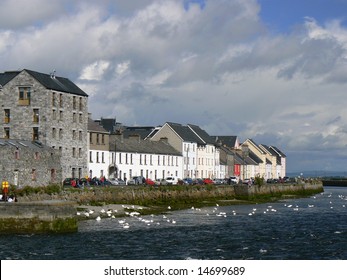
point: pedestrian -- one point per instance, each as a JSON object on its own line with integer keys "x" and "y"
{"x": 73, "y": 183}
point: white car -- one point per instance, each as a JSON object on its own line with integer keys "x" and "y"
{"x": 171, "y": 180}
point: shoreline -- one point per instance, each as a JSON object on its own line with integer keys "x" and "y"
{"x": 60, "y": 212}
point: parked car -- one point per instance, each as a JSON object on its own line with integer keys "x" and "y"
{"x": 150, "y": 182}
{"x": 234, "y": 180}
{"x": 217, "y": 181}
{"x": 208, "y": 181}
{"x": 160, "y": 182}
{"x": 117, "y": 181}
{"x": 137, "y": 180}
{"x": 247, "y": 181}
{"x": 171, "y": 180}
{"x": 67, "y": 181}
{"x": 187, "y": 181}
{"x": 198, "y": 181}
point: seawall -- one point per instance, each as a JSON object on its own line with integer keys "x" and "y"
{"x": 51, "y": 216}
{"x": 276, "y": 190}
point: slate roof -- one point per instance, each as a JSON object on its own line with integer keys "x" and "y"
{"x": 95, "y": 127}
{"x": 229, "y": 141}
{"x": 266, "y": 149}
{"x": 186, "y": 134}
{"x": 131, "y": 145}
{"x": 278, "y": 151}
{"x": 202, "y": 134}
{"x": 48, "y": 81}
{"x": 141, "y": 131}
{"x": 7, "y": 76}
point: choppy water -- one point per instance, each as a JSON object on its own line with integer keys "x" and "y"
{"x": 307, "y": 228}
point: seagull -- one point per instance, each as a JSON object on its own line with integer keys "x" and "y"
{"x": 102, "y": 211}
{"x": 98, "y": 218}
{"x": 169, "y": 207}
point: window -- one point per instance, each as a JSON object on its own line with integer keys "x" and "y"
{"x": 54, "y": 114}
{"x": 61, "y": 100}
{"x": 36, "y": 117}
{"x": 79, "y": 152}
{"x": 74, "y": 134}
{"x": 102, "y": 157}
{"x": 126, "y": 158}
{"x": 91, "y": 138}
{"x": 53, "y": 99}
{"x": 73, "y": 173}
{"x": 80, "y": 104}
{"x": 33, "y": 174}
{"x": 80, "y": 135}
{"x": 97, "y": 157}
{"x": 97, "y": 139}
{"x": 7, "y": 116}
{"x": 80, "y": 118}
{"x": 37, "y": 155}
{"x": 74, "y": 102}
{"x": 73, "y": 152}
{"x": 53, "y": 175}
{"x": 35, "y": 133}
{"x": 74, "y": 118}
{"x": 102, "y": 139}
{"x": 24, "y": 96}
{"x": 90, "y": 156}
{"x": 16, "y": 154}
{"x": 61, "y": 115}
{"x": 60, "y": 133}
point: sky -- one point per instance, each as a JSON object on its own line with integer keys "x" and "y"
{"x": 273, "y": 71}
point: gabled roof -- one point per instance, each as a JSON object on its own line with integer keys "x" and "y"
{"x": 278, "y": 151}
{"x": 142, "y": 131}
{"x": 186, "y": 134}
{"x": 254, "y": 145}
{"x": 131, "y": 145}
{"x": 228, "y": 141}
{"x": 48, "y": 81}
{"x": 7, "y": 76}
{"x": 202, "y": 134}
{"x": 267, "y": 149}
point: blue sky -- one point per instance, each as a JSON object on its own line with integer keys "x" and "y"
{"x": 271, "y": 70}
{"x": 283, "y": 15}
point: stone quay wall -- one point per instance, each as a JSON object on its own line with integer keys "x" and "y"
{"x": 38, "y": 217}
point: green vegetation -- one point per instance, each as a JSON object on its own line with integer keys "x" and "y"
{"x": 178, "y": 197}
{"x": 35, "y": 225}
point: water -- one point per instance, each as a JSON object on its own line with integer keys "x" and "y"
{"x": 308, "y": 228}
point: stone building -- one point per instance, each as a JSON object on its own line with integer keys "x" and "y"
{"x": 29, "y": 163}
{"x": 48, "y": 109}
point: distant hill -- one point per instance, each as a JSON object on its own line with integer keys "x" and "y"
{"x": 318, "y": 173}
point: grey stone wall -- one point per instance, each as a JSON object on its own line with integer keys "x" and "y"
{"x": 29, "y": 165}
{"x": 61, "y": 125}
